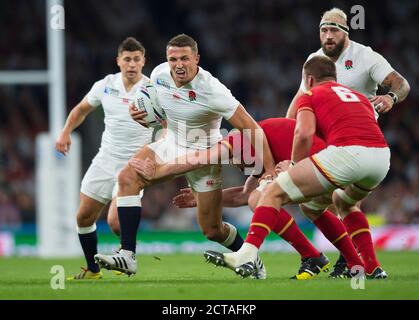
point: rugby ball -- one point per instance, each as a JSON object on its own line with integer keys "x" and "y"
{"x": 146, "y": 100}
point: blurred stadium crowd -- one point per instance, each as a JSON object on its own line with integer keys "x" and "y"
{"x": 257, "y": 48}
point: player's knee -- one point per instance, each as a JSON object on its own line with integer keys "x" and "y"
{"x": 310, "y": 213}
{"x": 344, "y": 204}
{"x": 125, "y": 177}
{"x": 128, "y": 178}
{"x": 253, "y": 200}
{"x": 85, "y": 218}
{"x": 273, "y": 196}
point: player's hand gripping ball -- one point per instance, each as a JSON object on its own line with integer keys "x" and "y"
{"x": 146, "y": 101}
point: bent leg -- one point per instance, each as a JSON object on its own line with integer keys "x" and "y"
{"x": 128, "y": 201}
{"x": 332, "y": 228}
{"x": 209, "y": 215}
{"x": 357, "y": 224}
{"x": 293, "y": 185}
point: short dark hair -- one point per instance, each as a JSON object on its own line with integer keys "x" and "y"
{"x": 320, "y": 68}
{"x": 131, "y": 44}
{"x": 183, "y": 40}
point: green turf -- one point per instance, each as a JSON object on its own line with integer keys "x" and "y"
{"x": 183, "y": 276}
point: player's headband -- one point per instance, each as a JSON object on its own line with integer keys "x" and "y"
{"x": 335, "y": 24}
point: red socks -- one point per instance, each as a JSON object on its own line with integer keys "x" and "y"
{"x": 290, "y": 232}
{"x": 334, "y": 230}
{"x": 357, "y": 225}
{"x": 263, "y": 221}
{"x": 267, "y": 219}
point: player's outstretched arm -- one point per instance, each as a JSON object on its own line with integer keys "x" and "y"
{"x": 239, "y": 196}
{"x": 74, "y": 119}
{"x": 292, "y": 111}
{"x": 232, "y": 197}
{"x": 242, "y": 120}
{"x": 192, "y": 160}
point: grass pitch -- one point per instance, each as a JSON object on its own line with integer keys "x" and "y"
{"x": 188, "y": 277}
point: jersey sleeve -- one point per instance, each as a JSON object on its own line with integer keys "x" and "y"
{"x": 94, "y": 96}
{"x": 222, "y": 100}
{"x": 304, "y": 102}
{"x": 380, "y": 68}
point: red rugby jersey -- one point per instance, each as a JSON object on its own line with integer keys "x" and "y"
{"x": 344, "y": 117}
{"x": 279, "y": 133}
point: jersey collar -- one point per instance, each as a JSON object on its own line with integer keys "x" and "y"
{"x": 345, "y": 53}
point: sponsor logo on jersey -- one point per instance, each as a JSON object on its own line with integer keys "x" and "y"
{"x": 163, "y": 83}
{"x": 125, "y": 100}
{"x": 213, "y": 182}
{"x": 192, "y": 96}
{"x": 111, "y": 91}
{"x": 348, "y": 64}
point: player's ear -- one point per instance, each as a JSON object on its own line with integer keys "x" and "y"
{"x": 197, "y": 58}
{"x": 117, "y": 60}
{"x": 310, "y": 81}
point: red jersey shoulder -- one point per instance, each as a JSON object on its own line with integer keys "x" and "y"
{"x": 304, "y": 101}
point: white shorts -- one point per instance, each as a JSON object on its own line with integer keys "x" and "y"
{"x": 203, "y": 179}
{"x": 101, "y": 179}
{"x": 365, "y": 167}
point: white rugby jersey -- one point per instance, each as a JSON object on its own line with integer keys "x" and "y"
{"x": 122, "y": 136}
{"x": 359, "y": 67}
{"x": 195, "y": 110}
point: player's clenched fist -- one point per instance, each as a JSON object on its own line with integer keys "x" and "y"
{"x": 382, "y": 104}
{"x": 63, "y": 143}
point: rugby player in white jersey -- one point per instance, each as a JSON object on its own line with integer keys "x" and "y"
{"x": 360, "y": 68}
{"x": 120, "y": 140}
{"x": 195, "y": 103}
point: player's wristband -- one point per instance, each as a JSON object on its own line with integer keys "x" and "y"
{"x": 393, "y": 96}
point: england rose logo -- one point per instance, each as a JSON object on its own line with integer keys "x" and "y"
{"x": 348, "y": 64}
{"x": 192, "y": 96}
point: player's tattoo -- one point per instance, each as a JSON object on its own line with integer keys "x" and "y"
{"x": 396, "y": 83}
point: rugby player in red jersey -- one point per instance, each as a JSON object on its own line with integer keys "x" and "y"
{"x": 280, "y": 133}
{"x": 356, "y": 160}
